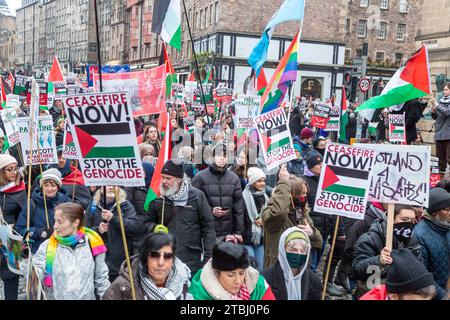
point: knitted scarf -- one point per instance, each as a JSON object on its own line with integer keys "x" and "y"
{"x": 180, "y": 198}
{"x": 243, "y": 294}
{"x": 95, "y": 242}
{"x": 252, "y": 212}
{"x": 178, "y": 277}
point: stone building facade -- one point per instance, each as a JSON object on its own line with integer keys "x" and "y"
{"x": 7, "y": 38}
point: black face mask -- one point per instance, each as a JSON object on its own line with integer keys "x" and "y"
{"x": 403, "y": 231}
{"x": 321, "y": 151}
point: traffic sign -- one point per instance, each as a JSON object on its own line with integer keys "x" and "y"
{"x": 364, "y": 84}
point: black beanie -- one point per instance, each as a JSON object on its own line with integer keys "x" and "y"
{"x": 439, "y": 199}
{"x": 229, "y": 256}
{"x": 313, "y": 158}
{"x": 172, "y": 169}
{"x": 406, "y": 273}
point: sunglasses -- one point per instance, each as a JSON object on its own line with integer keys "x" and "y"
{"x": 157, "y": 255}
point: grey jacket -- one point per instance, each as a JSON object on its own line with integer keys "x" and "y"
{"x": 442, "y": 123}
{"x": 77, "y": 275}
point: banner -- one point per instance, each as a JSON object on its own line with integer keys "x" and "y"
{"x": 60, "y": 89}
{"x": 9, "y": 118}
{"x": 223, "y": 95}
{"x": 275, "y": 138}
{"x": 344, "y": 181}
{"x": 10, "y": 247}
{"x": 320, "y": 116}
{"x": 103, "y": 130}
{"x": 189, "y": 87}
{"x": 105, "y": 69}
{"x": 12, "y": 101}
{"x": 43, "y": 93}
{"x": 333, "y": 123}
{"x": 247, "y": 109}
{"x": 401, "y": 174}
{"x": 43, "y": 149}
{"x": 435, "y": 177}
{"x": 146, "y": 89}
{"x": 397, "y": 128}
{"x": 21, "y": 87}
{"x": 177, "y": 92}
{"x": 73, "y": 89}
{"x": 69, "y": 149}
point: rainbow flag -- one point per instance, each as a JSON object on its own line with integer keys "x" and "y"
{"x": 285, "y": 74}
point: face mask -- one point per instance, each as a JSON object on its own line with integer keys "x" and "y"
{"x": 300, "y": 202}
{"x": 296, "y": 260}
{"x": 321, "y": 151}
{"x": 403, "y": 231}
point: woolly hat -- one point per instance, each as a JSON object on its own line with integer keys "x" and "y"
{"x": 406, "y": 273}
{"x": 173, "y": 169}
{"x": 306, "y": 133}
{"x": 296, "y": 235}
{"x": 254, "y": 174}
{"x": 439, "y": 199}
{"x": 6, "y": 159}
{"x": 52, "y": 174}
{"x": 313, "y": 158}
{"x": 220, "y": 146}
{"x": 229, "y": 256}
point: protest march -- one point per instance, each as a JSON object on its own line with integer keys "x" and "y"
{"x": 144, "y": 185}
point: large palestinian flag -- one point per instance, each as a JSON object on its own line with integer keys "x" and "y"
{"x": 167, "y": 21}
{"x": 409, "y": 82}
{"x": 344, "y": 181}
{"x": 108, "y": 140}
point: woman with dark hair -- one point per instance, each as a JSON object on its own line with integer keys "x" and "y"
{"x": 241, "y": 165}
{"x": 157, "y": 273}
{"x": 228, "y": 276}
{"x": 71, "y": 263}
{"x": 152, "y": 137}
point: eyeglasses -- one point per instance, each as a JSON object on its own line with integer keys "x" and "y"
{"x": 12, "y": 170}
{"x": 157, "y": 255}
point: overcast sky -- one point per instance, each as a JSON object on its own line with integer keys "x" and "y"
{"x": 13, "y": 5}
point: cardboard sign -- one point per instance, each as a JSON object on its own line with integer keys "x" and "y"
{"x": 275, "y": 137}
{"x": 146, "y": 89}
{"x": 69, "y": 149}
{"x": 43, "y": 148}
{"x": 344, "y": 181}
{"x": 11, "y": 247}
{"x": 401, "y": 174}
{"x": 103, "y": 130}
{"x": 247, "y": 109}
{"x": 333, "y": 123}
{"x": 9, "y": 118}
{"x": 435, "y": 177}
{"x": 397, "y": 128}
{"x": 21, "y": 86}
{"x": 12, "y": 101}
{"x": 321, "y": 116}
{"x": 43, "y": 93}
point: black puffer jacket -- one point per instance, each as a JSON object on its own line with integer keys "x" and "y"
{"x": 223, "y": 189}
{"x": 113, "y": 238}
{"x": 12, "y": 203}
{"x": 369, "y": 246}
{"x": 137, "y": 196}
{"x": 192, "y": 225}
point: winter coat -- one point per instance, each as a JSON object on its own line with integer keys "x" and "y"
{"x": 206, "y": 286}
{"x": 59, "y": 138}
{"x": 442, "y": 117}
{"x": 296, "y": 167}
{"x": 369, "y": 246}
{"x": 120, "y": 289}
{"x": 297, "y": 123}
{"x": 192, "y": 225}
{"x": 137, "y": 196}
{"x": 223, "y": 189}
{"x": 435, "y": 241}
{"x": 38, "y": 222}
{"x": 113, "y": 238}
{"x": 56, "y": 114}
{"x": 351, "y": 125}
{"x": 77, "y": 275}
{"x": 12, "y": 202}
{"x": 311, "y": 284}
{"x": 247, "y": 235}
{"x": 278, "y": 216}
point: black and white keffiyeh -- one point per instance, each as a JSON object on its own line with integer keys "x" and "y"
{"x": 180, "y": 198}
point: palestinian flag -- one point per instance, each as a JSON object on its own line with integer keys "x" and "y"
{"x": 55, "y": 72}
{"x": 275, "y": 138}
{"x": 75, "y": 177}
{"x": 409, "y": 82}
{"x": 167, "y": 21}
{"x": 344, "y": 181}
{"x": 171, "y": 76}
{"x": 11, "y": 81}
{"x": 6, "y": 90}
{"x": 209, "y": 74}
{"x": 344, "y": 118}
{"x": 165, "y": 153}
{"x": 191, "y": 76}
{"x": 397, "y": 128}
{"x": 108, "y": 140}
{"x": 257, "y": 85}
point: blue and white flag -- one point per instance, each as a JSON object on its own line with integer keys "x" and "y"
{"x": 289, "y": 10}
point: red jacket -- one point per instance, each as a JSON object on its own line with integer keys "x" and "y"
{"x": 377, "y": 293}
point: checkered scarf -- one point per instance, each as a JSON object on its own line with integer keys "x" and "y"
{"x": 180, "y": 198}
{"x": 243, "y": 294}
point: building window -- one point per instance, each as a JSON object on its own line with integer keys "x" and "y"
{"x": 379, "y": 58}
{"x": 201, "y": 19}
{"x": 382, "y": 30}
{"x": 399, "y": 59}
{"x": 363, "y": 3}
{"x": 401, "y": 32}
{"x": 206, "y": 16}
{"x": 403, "y": 6}
{"x": 347, "y": 26}
{"x": 384, "y": 4}
{"x": 358, "y": 53}
{"x": 362, "y": 28}
{"x": 210, "y": 14}
{"x": 216, "y": 11}
{"x": 348, "y": 54}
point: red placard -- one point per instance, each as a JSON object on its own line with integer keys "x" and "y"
{"x": 319, "y": 122}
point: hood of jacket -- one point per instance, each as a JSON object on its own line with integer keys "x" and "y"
{"x": 214, "y": 170}
{"x": 282, "y": 259}
{"x": 38, "y": 197}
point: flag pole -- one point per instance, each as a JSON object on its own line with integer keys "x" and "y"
{"x": 99, "y": 61}
{"x": 195, "y": 55}
{"x": 325, "y": 281}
